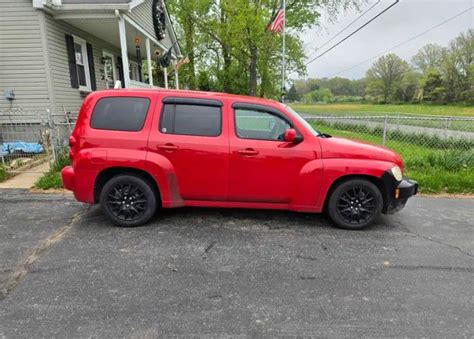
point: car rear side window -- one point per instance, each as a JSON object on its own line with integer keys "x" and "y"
{"x": 120, "y": 114}
{"x": 187, "y": 119}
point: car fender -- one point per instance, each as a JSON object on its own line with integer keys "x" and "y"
{"x": 335, "y": 169}
{"x": 162, "y": 170}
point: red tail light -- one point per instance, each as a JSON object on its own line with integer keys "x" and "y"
{"x": 72, "y": 142}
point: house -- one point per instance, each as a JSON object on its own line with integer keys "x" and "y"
{"x": 54, "y": 52}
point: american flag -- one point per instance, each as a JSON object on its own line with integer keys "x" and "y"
{"x": 278, "y": 21}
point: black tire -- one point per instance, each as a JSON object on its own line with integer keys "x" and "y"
{"x": 355, "y": 204}
{"x": 128, "y": 200}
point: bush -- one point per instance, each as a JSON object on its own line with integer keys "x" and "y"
{"x": 52, "y": 179}
{"x": 3, "y": 173}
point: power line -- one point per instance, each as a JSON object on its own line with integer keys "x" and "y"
{"x": 404, "y": 42}
{"x": 345, "y": 28}
{"x": 353, "y": 33}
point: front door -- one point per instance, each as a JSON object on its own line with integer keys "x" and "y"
{"x": 191, "y": 134}
{"x": 263, "y": 167}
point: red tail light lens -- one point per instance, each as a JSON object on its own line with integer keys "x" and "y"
{"x": 72, "y": 141}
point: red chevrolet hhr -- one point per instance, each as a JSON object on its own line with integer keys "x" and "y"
{"x": 135, "y": 151}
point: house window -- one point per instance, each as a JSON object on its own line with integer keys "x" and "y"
{"x": 134, "y": 71}
{"x": 82, "y": 64}
{"x": 109, "y": 69}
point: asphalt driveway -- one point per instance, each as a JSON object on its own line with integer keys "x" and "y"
{"x": 66, "y": 272}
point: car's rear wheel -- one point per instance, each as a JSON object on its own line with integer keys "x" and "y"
{"x": 128, "y": 200}
{"x": 355, "y": 204}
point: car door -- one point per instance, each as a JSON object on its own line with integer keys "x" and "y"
{"x": 190, "y": 133}
{"x": 263, "y": 167}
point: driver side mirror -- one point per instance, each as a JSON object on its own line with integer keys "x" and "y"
{"x": 292, "y": 136}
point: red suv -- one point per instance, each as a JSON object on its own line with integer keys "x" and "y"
{"x": 134, "y": 151}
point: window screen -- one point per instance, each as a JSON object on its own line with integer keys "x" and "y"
{"x": 191, "y": 120}
{"x": 120, "y": 114}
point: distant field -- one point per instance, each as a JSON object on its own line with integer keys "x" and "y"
{"x": 335, "y": 109}
{"x": 443, "y": 169}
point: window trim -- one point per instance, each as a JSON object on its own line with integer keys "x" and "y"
{"x": 174, "y": 104}
{"x": 106, "y": 53}
{"x": 120, "y": 130}
{"x": 135, "y": 69}
{"x": 85, "y": 61}
{"x": 261, "y": 109}
{"x": 192, "y": 101}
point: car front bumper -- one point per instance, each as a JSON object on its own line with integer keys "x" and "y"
{"x": 397, "y": 193}
{"x": 399, "y": 196}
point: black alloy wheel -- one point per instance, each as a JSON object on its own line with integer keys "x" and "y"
{"x": 355, "y": 204}
{"x": 128, "y": 200}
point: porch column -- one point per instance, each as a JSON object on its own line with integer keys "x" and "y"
{"x": 123, "y": 47}
{"x": 165, "y": 71}
{"x": 176, "y": 76}
{"x": 148, "y": 58}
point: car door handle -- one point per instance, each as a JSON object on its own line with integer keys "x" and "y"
{"x": 248, "y": 151}
{"x": 168, "y": 147}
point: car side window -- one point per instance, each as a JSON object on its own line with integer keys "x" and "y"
{"x": 120, "y": 114}
{"x": 188, "y": 119}
{"x": 252, "y": 124}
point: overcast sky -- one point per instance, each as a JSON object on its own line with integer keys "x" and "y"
{"x": 405, "y": 20}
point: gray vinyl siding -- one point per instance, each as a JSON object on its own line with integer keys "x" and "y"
{"x": 142, "y": 15}
{"x": 21, "y": 58}
{"x": 65, "y": 97}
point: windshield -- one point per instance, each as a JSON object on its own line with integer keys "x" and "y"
{"x": 301, "y": 120}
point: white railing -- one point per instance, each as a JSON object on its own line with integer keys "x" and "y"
{"x": 138, "y": 84}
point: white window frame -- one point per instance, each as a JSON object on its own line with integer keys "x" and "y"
{"x": 134, "y": 70}
{"x": 106, "y": 53}
{"x": 85, "y": 61}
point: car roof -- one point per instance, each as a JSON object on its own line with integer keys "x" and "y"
{"x": 176, "y": 92}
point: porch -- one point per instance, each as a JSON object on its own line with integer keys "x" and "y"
{"x": 133, "y": 58}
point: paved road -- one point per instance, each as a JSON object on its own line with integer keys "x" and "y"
{"x": 228, "y": 272}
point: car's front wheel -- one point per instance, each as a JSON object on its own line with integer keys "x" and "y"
{"x": 355, "y": 204}
{"x": 128, "y": 200}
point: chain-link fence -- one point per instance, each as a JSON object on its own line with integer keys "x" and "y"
{"x": 429, "y": 146}
{"x": 31, "y": 142}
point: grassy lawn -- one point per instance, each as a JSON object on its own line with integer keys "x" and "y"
{"x": 371, "y": 109}
{"x": 449, "y": 170}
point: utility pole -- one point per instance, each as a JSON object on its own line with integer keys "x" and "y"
{"x": 283, "y": 67}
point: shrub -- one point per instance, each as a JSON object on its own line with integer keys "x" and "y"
{"x": 52, "y": 179}
{"x": 3, "y": 173}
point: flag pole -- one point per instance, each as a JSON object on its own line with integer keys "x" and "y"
{"x": 283, "y": 66}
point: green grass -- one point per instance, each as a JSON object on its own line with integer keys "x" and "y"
{"x": 438, "y": 167}
{"x": 373, "y": 109}
{"x": 52, "y": 179}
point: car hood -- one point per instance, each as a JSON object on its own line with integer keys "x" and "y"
{"x": 342, "y": 148}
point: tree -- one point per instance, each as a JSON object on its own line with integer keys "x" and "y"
{"x": 385, "y": 74}
{"x": 427, "y": 57}
{"x": 408, "y": 86}
{"x": 293, "y": 95}
{"x": 319, "y": 95}
{"x": 433, "y": 90}
{"x": 228, "y": 40}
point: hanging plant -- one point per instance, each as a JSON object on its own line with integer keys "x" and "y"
{"x": 159, "y": 19}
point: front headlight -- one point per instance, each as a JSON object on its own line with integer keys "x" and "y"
{"x": 397, "y": 173}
